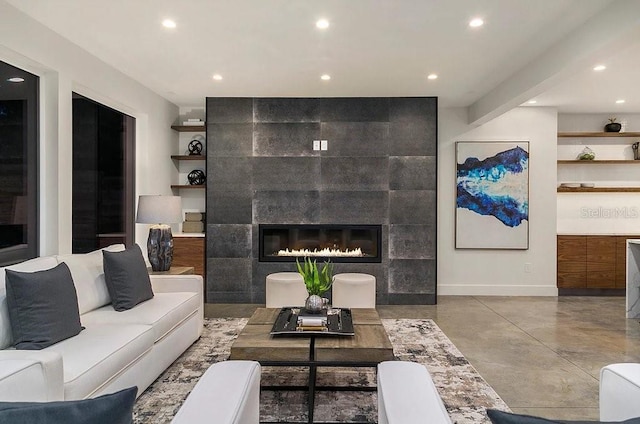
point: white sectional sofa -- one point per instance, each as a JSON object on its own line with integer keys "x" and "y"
{"x": 115, "y": 350}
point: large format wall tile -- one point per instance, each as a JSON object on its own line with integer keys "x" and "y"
{"x": 228, "y": 173}
{"x": 380, "y": 168}
{"x": 354, "y": 109}
{"x": 229, "y": 207}
{"x": 412, "y": 242}
{"x": 412, "y": 173}
{"x": 412, "y": 276}
{"x": 412, "y": 207}
{"x": 229, "y": 275}
{"x": 354, "y": 207}
{"x": 229, "y": 241}
{"x": 229, "y": 110}
{"x": 286, "y": 173}
{"x": 230, "y": 139}
{"x": 290, "y": 139}
{"x": 355, "y": 174}
{"x": 358, "y": 139}
{"x": 286, "y": 110}
{"x": 286, "y": 207}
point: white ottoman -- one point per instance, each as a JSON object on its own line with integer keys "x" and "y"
{"x": 354, "y": 290}
{"x": 619, "y": 392}
{"x": 285, "y": 289}
{"x": 227, "y": 393}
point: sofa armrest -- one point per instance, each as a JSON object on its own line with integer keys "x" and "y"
{"x": 231, "y": 389}
{"x": 31, "y": 376}
{"x": 619, "y": 392}
{"x": 177, "y": 283}
{"x": 406, "y": 394}
{"x": 181, "y": 283}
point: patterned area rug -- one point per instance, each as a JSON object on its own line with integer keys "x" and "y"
{"x": 465, "y": 393}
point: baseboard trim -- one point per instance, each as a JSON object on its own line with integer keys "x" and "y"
{"x": 496, "y": 290}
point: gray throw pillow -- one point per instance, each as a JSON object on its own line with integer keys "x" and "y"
{"x": 114, "y": 408}
{"x": 43, "y": 307}
{"x": 127, "y": 278}
{"x": 501, "y": 417}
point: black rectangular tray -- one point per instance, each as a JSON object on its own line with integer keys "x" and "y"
{"x": 339, "y": 322}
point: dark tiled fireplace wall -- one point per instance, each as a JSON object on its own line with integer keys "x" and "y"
{"x": 380, "y": 168}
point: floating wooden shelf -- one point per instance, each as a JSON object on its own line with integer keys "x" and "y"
{"x": 188, "y": 128}
{"x": 596, "y": 162}
{"x": 188, "y": 157}
{"x": 599, "y": 134}
{"x": 189, "y": 186}
{"x": 599, "y": 190}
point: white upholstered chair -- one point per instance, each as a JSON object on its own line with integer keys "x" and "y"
{"x": 620, "y": 392}
{"x": 285, "y": 289}
{"x": 354, "y": 290}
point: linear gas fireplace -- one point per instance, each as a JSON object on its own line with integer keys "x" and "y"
{"x": 339, "y": 243}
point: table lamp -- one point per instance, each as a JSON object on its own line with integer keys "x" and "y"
{"x": 160, "y": 211}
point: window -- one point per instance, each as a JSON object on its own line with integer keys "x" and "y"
{"x": 18, "y": 164}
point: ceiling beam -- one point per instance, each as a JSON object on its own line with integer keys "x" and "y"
{"x": 609, "y": 31}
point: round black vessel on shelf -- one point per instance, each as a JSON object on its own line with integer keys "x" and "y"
{"x": 613, "y": 127}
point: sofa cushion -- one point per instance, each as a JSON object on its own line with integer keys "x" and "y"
{"x": 43, "y": 307}
{"x": 127, "y": 278}
{"x": 114, "y": 408}
{"x": 164, "y": 312}
{"x": 88, "y": 276}
{"x": 45, "y": 262}
{"x": 99, "y": 354}
{"x": 501, "y": 417}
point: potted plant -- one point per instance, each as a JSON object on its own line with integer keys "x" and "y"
{"x": 612, "y": 126}
{"x": 316, "y": 281}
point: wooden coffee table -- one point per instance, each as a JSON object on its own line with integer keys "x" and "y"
{"x": 368, "y": 347}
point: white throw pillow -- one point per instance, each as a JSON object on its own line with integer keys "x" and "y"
{"x": 88, "y": 277}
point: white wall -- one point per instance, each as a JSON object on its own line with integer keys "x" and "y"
{"x": 63, "y": 68}
{"x": 500, "y": 272}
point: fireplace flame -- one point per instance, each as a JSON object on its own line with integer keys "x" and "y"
{"x": 357, "y": 252}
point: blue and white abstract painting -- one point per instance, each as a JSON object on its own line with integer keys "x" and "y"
{"x": 492, "y": 195}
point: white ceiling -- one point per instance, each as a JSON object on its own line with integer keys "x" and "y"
{"x": 372, "y": 48}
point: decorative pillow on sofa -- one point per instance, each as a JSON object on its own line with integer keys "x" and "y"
{"x": 43, "y": 307}
{"x": 127, "y": 278}
{"x": 501, "y": 417}
{"x": 114, "y": 408}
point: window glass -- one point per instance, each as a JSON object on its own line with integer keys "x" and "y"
{"x": 18, "y": 164}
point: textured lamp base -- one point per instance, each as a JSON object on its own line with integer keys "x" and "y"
{"x": 160, "y": 247}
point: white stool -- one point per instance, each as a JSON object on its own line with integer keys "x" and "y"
{"x": 285, "y": 289}
{"x": 354, "y": 290}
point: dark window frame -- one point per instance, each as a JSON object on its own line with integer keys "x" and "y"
{"x": 27, "y": 92}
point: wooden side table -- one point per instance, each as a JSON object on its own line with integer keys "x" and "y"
{"x": 174, "y": 270}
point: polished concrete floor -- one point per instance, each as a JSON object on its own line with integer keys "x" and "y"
{"x": 542, "y": 355}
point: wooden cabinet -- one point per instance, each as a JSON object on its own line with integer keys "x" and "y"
{"x": 592, "y": 261}
{"x": 189, "y": 251}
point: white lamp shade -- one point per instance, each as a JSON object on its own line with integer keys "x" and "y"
{"x": 153, "y": 209}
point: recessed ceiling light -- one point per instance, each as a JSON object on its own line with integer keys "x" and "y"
{"x": 16, "y": 79}
{"x": 532, "y": 102}
{"x": 322, "y": 24}
{"x": 599, "y": 68}
{"x": 619, "y": 101}
{"x": 476, "y": 22}
{"x": 432, "y": 76}
{"x": 168, "y": 23}
{"x": 217, "y": 77}
{"x": 325, "y": 77}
